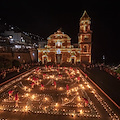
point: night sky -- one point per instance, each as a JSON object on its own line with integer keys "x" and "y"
{"x": 44, "y": 18}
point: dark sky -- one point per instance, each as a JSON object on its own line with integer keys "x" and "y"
{"x": 44, "y": 18}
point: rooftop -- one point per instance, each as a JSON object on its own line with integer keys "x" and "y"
{"x": 59, "y": 35}
{"x": 85, "y": 16}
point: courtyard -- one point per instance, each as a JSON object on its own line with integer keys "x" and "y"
{"x": 52, "y": 92}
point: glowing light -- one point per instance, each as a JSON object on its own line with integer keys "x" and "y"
{"x": 46, "y": 99}
{"x": 26, "y": 94}
{"x": 58, "y": 51}
{"x": 58, "y": 43}
{"x": 56, "y": 104}
{"x": 10, "y": 37}
{"x": 81, "y": 112}
{"x": 1, "y": 108}
{"x": 88, "y": 86}
{"x": 73, "y": 95}
{"x": 78, "y": 98}
{"x": 18, "y": 46}
{"x": 66, "y": 99}
{"x": 29, "y": 90}
{"x": 25, "y": 87}
{"x": 26, "y": 108}
{"x": 18, "y": 57}
{"x": 82, "y": 86}
{"x": 73, "y": 114}
{"x": 45, "y": 108}
{"x": 33, "y": 97}
{"x": 60, "y": 88}
{"x": 79, "y": 105}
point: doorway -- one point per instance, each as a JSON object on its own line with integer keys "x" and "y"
{"x": 45, "y": 60}
{"x": 72, "y": 60}
{"x": 58, "y": 58}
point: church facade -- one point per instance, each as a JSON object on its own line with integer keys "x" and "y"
{"x": 59, "y": 49}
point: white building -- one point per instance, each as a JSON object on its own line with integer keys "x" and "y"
{"x": 19, "y": 39}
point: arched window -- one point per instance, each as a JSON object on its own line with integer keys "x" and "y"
{"x": 86, "y": 28}
{"x": 58, "y": 44}
{"x": 85, "y": 48}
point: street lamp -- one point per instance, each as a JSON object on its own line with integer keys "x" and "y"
{"x": 103, "y": 57}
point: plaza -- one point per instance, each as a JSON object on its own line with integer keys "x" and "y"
{"x": 62, "y": 92}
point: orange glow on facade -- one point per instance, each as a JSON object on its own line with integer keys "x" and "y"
{"x": 59, "y": 49}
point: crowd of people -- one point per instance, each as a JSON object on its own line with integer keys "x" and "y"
{"x": 103, "y": 67}
{"x": 5, "y": 72}
{"x": 113, "y": 73}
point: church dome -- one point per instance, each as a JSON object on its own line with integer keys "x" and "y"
{"x": 59, "y": 35}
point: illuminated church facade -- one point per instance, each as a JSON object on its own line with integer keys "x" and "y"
{"x": 59, "y": 49}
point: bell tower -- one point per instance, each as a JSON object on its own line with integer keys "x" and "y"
{"x": 84, "y": 38}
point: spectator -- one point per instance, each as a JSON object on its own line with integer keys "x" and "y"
{"x": 18, "y": 70}
{"x": 4, "y": 74}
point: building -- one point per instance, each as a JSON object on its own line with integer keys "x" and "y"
{"x": 18, "y": 40}
{"x": 84, "y": 38}
{"x": 59, "y": 49}
{"x": 4, "y": 44}
{"x": 19, "y": 46}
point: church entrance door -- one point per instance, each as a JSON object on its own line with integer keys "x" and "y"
{"x": 58, "y": 58}
{"x": 45, "y": 60}
{"x": 72, "y": 60}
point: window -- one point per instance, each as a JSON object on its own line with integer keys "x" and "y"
{"x": 86, "y": 28}
{"x": 10, "y": 36}
{"x": 22, "y": 40}
{"x": 85, "y": 48}
{"x": 19, "y": 57}
{"x": 86, "y": 37}
{"x": 58, "y": 44}
{"x": 18, "y": 46}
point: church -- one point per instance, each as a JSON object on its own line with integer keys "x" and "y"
{"x": 59, "y": 49}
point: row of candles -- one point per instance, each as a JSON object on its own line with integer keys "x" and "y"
{"x": 72, "y": 73}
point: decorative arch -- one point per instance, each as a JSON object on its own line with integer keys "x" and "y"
{"x": 58, "y": 44}
{"x": 44, "y": 59}
{"x": 73, "y": 59}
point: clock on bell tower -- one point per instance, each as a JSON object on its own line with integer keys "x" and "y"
{"x": 84, "y": 39}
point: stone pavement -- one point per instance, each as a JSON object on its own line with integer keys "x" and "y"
{"x": 109, "y": 84}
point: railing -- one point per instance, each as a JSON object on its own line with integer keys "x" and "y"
{"x": 100, "y": 90}
{"x": 15, "y": 79}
